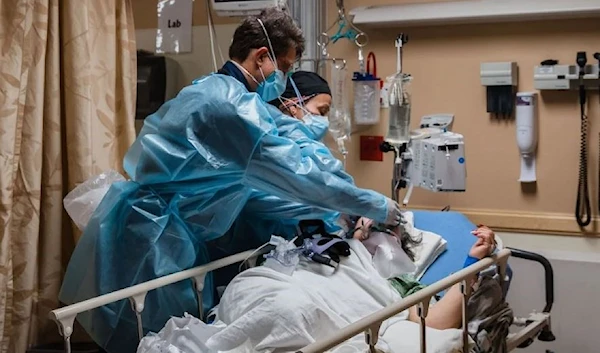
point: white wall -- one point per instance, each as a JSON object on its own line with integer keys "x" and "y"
{"x": 188, "y": 66}
{"x": 199, "y": 61}
{"x": 576, "y": 265}
{"x": 552, "y": 242}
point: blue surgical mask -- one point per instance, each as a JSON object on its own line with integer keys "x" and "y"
{"x": 317, "y": 124}
{"x": 272, "y": 86}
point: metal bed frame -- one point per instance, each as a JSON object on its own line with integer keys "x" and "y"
{"x": 536, "y": 325}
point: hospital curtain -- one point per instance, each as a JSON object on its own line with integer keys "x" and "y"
{"x": 67, "y": 101}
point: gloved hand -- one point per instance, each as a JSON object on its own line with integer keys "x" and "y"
{"x": 393, "y": 213}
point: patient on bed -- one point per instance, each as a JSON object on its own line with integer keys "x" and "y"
{"x": 447, "y": 313}
{"x": 263, "y": 310}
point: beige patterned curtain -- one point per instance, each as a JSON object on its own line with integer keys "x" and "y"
{"x": 67, "y": 101}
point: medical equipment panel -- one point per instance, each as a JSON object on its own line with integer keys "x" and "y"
{"x": 438, "y": 162}
{"x": 550, "y": 76}
{"x": 240, "y": 8}
{"x": 433, "y": 158}
{"x": 500, "y": 80}
{"x": 582, "y": 76}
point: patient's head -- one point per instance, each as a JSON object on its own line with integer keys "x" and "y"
{"x": 365, "y": 226}
{"x": 313, "y": 94}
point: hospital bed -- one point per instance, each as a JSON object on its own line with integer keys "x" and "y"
{"x": 445, "y": 272}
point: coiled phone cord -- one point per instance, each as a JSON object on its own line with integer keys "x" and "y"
{"x": 597, "y": 57}
{"x": 583, "y": 208}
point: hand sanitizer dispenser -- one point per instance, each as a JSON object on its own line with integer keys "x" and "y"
{"x": 526, "y": 119}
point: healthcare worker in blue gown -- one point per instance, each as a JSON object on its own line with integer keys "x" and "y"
{"x": 305, "y": 103}
{"x": 192, "y": 171}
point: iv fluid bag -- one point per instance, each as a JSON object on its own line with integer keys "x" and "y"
{"x": 399, "y": 103}
{"x": 339, "y": 116}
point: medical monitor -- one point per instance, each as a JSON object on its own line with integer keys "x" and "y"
{"x": 241, "y": 8}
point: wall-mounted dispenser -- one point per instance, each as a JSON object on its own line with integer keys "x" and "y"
{"x": 500, "y": 79}
{"x": 526, "y": 121}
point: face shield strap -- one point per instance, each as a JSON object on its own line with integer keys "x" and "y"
{"x": 300, "y": 98}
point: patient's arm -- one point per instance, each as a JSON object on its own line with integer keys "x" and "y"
{"x": 447, "y": 313}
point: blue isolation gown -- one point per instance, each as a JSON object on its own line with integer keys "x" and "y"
{"x": 266, "y": 214}
{"x": 211, "y": 147}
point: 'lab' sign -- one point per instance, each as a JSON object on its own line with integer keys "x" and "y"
{"x": 174, "y": 32}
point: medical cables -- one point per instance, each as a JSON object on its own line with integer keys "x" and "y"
{"x": 212, "y": 33}
{"x": 583, "y": 207}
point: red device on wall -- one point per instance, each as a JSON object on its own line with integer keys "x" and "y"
{"x": 369, "y": 148}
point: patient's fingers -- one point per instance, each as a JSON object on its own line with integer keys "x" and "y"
{"x": 486, "y": 233}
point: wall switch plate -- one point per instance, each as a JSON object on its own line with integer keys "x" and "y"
{"x": 369, "y": 148}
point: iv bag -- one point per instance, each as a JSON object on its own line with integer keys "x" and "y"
{"x": 399, "y": 102}
{"x": 340, "y": 126}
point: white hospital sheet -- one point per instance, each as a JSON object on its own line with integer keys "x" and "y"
{"x": 431, "y": 247}
{"x": 265, "y": 311}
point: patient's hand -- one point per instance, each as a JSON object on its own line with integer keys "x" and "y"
{"x": 361, "y": 230}
{"x": 485, "y": 244}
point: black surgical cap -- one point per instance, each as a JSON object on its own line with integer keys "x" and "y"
{"x": 308, "y": 84}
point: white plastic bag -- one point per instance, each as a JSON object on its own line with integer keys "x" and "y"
{"x": 82, "y": 201}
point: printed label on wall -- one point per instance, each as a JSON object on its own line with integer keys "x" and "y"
{"x": 174, "y": 32}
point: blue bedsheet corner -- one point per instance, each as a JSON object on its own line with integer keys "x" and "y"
{"x": 456, "y": 229}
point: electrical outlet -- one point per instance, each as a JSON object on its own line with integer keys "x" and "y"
{"x": 369, "y": 148}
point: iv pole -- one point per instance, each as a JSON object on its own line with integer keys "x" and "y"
{"x": 311, "y": 16}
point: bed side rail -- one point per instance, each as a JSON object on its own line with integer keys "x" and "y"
{"x": 65, "y": 316}
{"x": 548, "y": 273}
{"x": 546, "y": 334}
{"x": 371, "y": 324}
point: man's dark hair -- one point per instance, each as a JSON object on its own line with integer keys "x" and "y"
{"x": 281, "y": 27}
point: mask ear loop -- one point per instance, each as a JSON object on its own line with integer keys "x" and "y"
{"x": 272, "y": 56}
{"x": 292, "y": 102}
{"x": 301, "y": 107}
